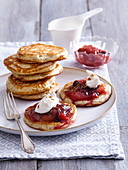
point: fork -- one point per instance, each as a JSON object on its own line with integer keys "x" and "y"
{"x": 11, "y": 112}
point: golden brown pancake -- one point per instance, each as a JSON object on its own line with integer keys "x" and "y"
{"x": 28, "y": 88}
{"x": 33, "y": 77}
{"x": 75, "y": 94}
{"x": 54, "y": 88}
{"x": 50, "y": 121}
{"x": 20, "y": 68}
{"x": 41, "y": 53}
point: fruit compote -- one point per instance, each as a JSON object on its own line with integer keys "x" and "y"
{"x": 80, "y": 92}
{"x": 92, "y": 56}
{"x": 61, "y": 113}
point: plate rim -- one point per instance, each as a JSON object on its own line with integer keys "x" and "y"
{"x": 66, "y": 129}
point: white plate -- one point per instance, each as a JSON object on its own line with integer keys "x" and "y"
{"x": 86, "y": 115}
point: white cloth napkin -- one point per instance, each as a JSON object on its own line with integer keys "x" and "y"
{"x": 101, "y": 140}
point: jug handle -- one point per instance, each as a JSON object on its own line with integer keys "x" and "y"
{"x": 89, "y": 14}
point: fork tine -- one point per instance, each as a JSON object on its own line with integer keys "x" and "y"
{"x": 13, "y": 106}
{"x": 10, "y": 101}
{"x": 14, "y": 103}
{"x": 6, "y": 106}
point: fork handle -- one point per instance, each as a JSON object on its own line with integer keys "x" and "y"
{"x": 27, "y": 144}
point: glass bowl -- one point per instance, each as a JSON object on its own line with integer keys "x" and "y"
{"x": 96, "y": 52}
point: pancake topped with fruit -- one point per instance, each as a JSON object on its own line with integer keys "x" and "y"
{"x": 89, "y": 91}
{"x": 50, "y": 114}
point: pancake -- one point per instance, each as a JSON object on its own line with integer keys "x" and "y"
{"x": 41, "y": 53}
{"x": 20, "y": 68}
{"x": 50, "y": 120}
{"x": 57, "y": 70}
{"x": 54, "y": 88}
{"x": 28, "y": 88}
{"x": 76, "y": 94}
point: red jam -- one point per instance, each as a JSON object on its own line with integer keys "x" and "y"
{"x": 79, "y": 91}
{"x": 60, "y": 113}
{"x": 92, "y": 56}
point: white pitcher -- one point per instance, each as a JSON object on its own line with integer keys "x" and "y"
{"x": 64, "y": 30}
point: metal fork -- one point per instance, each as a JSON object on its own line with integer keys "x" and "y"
{"x": 11, "y": 112}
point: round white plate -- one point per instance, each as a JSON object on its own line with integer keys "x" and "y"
{"x": 86, "y": 115}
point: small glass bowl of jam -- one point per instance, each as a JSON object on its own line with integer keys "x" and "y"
{"x": 93, "y": 52}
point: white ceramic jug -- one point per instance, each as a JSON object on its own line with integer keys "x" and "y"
{"x": 64, "y": 30}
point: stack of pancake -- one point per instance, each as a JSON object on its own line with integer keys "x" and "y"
{"x": 33, "y": 70}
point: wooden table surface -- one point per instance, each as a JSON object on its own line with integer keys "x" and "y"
{"x": 28, "y": 20}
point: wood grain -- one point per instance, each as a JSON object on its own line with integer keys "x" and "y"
{"x": 18, "y": 165}
{"x": 19, "y": 20}
{"x": 61, "y": 9}
{"x": 112, "y": 23}
{"x": 122, "y": 165}
{"x": 80, "y": 164}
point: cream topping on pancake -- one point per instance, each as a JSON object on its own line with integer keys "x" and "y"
{"x": 93, "y": 80}
{"x": 47, "y": 103}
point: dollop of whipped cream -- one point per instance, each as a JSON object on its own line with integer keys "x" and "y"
{"x": 47, "y": 103}
{"x": 92, "y": 80}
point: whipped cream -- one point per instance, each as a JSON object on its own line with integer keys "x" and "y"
{"x": 47, "y": 103}
{"x": 92, "y": 80}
